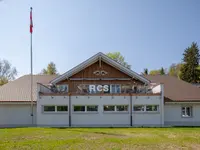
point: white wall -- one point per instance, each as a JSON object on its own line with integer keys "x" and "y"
{"x": 12, "y": 115}
{"x": 173, "y": 115}
{"x": 55, "y": 118}
{"x": 100, "y": 118}
{"x": 147, "y": 118}
{"x": 157, "y": 89}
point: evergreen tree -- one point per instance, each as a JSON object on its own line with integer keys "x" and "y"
{"x": 189, "y": 71}
{"x": 145, "y": 71}
{"x": 162, "y": 71}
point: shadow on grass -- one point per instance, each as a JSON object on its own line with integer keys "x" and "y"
{"x": 92, "y": 131}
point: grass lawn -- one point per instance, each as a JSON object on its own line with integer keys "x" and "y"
{"x": 99, "y": 138}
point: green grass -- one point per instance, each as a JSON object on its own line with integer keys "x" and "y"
{"x": 99, "y": 138}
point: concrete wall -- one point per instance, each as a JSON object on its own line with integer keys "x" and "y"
{"x": 53, "y": 118}
{"x": 100, "y": 118}
{"x": 16, "y": 114}
{"x": 147, "y": 118}
{"x": 173, "y": 115}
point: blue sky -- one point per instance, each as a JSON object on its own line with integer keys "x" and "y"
{"x": 150, "y": 34}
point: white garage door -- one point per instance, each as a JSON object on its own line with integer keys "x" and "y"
{"x": 12, "y": 115}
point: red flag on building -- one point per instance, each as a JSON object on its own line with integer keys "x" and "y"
{"x": 31, "y": 21}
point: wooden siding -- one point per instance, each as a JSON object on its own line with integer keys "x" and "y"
{"x": 88, "y": 72}
{"x": 112, "y": 72}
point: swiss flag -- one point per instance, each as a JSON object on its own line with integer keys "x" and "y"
{"x": 31, "y": 21}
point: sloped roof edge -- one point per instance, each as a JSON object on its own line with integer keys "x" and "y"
{"x": 94, "y": 59}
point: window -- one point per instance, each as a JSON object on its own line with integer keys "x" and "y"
{"x": 79, "y": 108}
{"x": 115, "y": 88}
{"x": 49, "y": 108}
{"x": 138, "y": 108}
{"x": 62, "y": 88}
{"x": 62, "y": 108}
{"x": 92, "y": 108}
{"x": 109, "y": 108}
{"x": 152, "y": 108}
{"x": 122, "y": 108}
{"x": 186, "y": 111}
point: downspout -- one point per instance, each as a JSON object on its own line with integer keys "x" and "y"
{"x": 69, "y": 110}
{"x": 131, "y": 118}
{"x": 162, "y": 106}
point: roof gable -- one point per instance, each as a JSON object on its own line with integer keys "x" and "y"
{"x": 94, "y": 59}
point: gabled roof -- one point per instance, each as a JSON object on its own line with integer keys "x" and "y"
{"x": 176, "y": 89}
{"x": 19, "y": 89}
{"x": 94, "y": 59}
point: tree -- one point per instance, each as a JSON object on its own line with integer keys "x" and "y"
{"x": 154, "y": 72}
{"x": 162, "y": 71}
{"x": 51, "y": 69}
{"x": 189, "y": 71}
{"x": 7, "y": 72}
{"x": 119, "y": 58}
{"x": 145, "y": 71}
{"x": 174, "y": 70}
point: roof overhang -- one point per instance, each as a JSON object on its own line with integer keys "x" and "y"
{"x": 92, "y": 60}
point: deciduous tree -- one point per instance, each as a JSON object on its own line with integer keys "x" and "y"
{"x": 50, "y": 70}
{"x": 119, "y": 58}
{"x": 7, "y": 72}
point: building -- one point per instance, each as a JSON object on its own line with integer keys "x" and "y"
{"x": 99, "y": 92}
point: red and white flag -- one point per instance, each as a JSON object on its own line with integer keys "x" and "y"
{"x": 31, "y": 22}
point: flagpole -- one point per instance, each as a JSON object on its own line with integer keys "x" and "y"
{"x": 31, "y": 65}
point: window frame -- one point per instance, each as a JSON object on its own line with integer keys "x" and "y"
{"x": 115, "y": 109}
{"x": 152, "y": 110}
{"x": 144, "y": 108}
{"x": 55, "y": 109}
{"x": 86, "y": 111}
{"x": 48, "y": 106}
{"x": 79, "y": 111}
{"x": 91, "y": 111}
{"x": 62, "y": 106}
{"x": 115, "y": 91}
{"x": 185, "y": 111}
{"x": 123, "y": 110}
{"x": 108, "y": 110}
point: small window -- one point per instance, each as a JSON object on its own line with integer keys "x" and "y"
{"x": 152, "y": 108}
{"x": 186, "y": 111}
{"x": 115, "y": 88}
{"x": 62, "y": 108}
{"x": 138, "y": 108}
{"x": 109, "y": 108}
{"x": 122, "y": 108}
{"x": 79, "y": 108}
{"x": 49, "y": 108}
{"x": 92, "y": 108}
